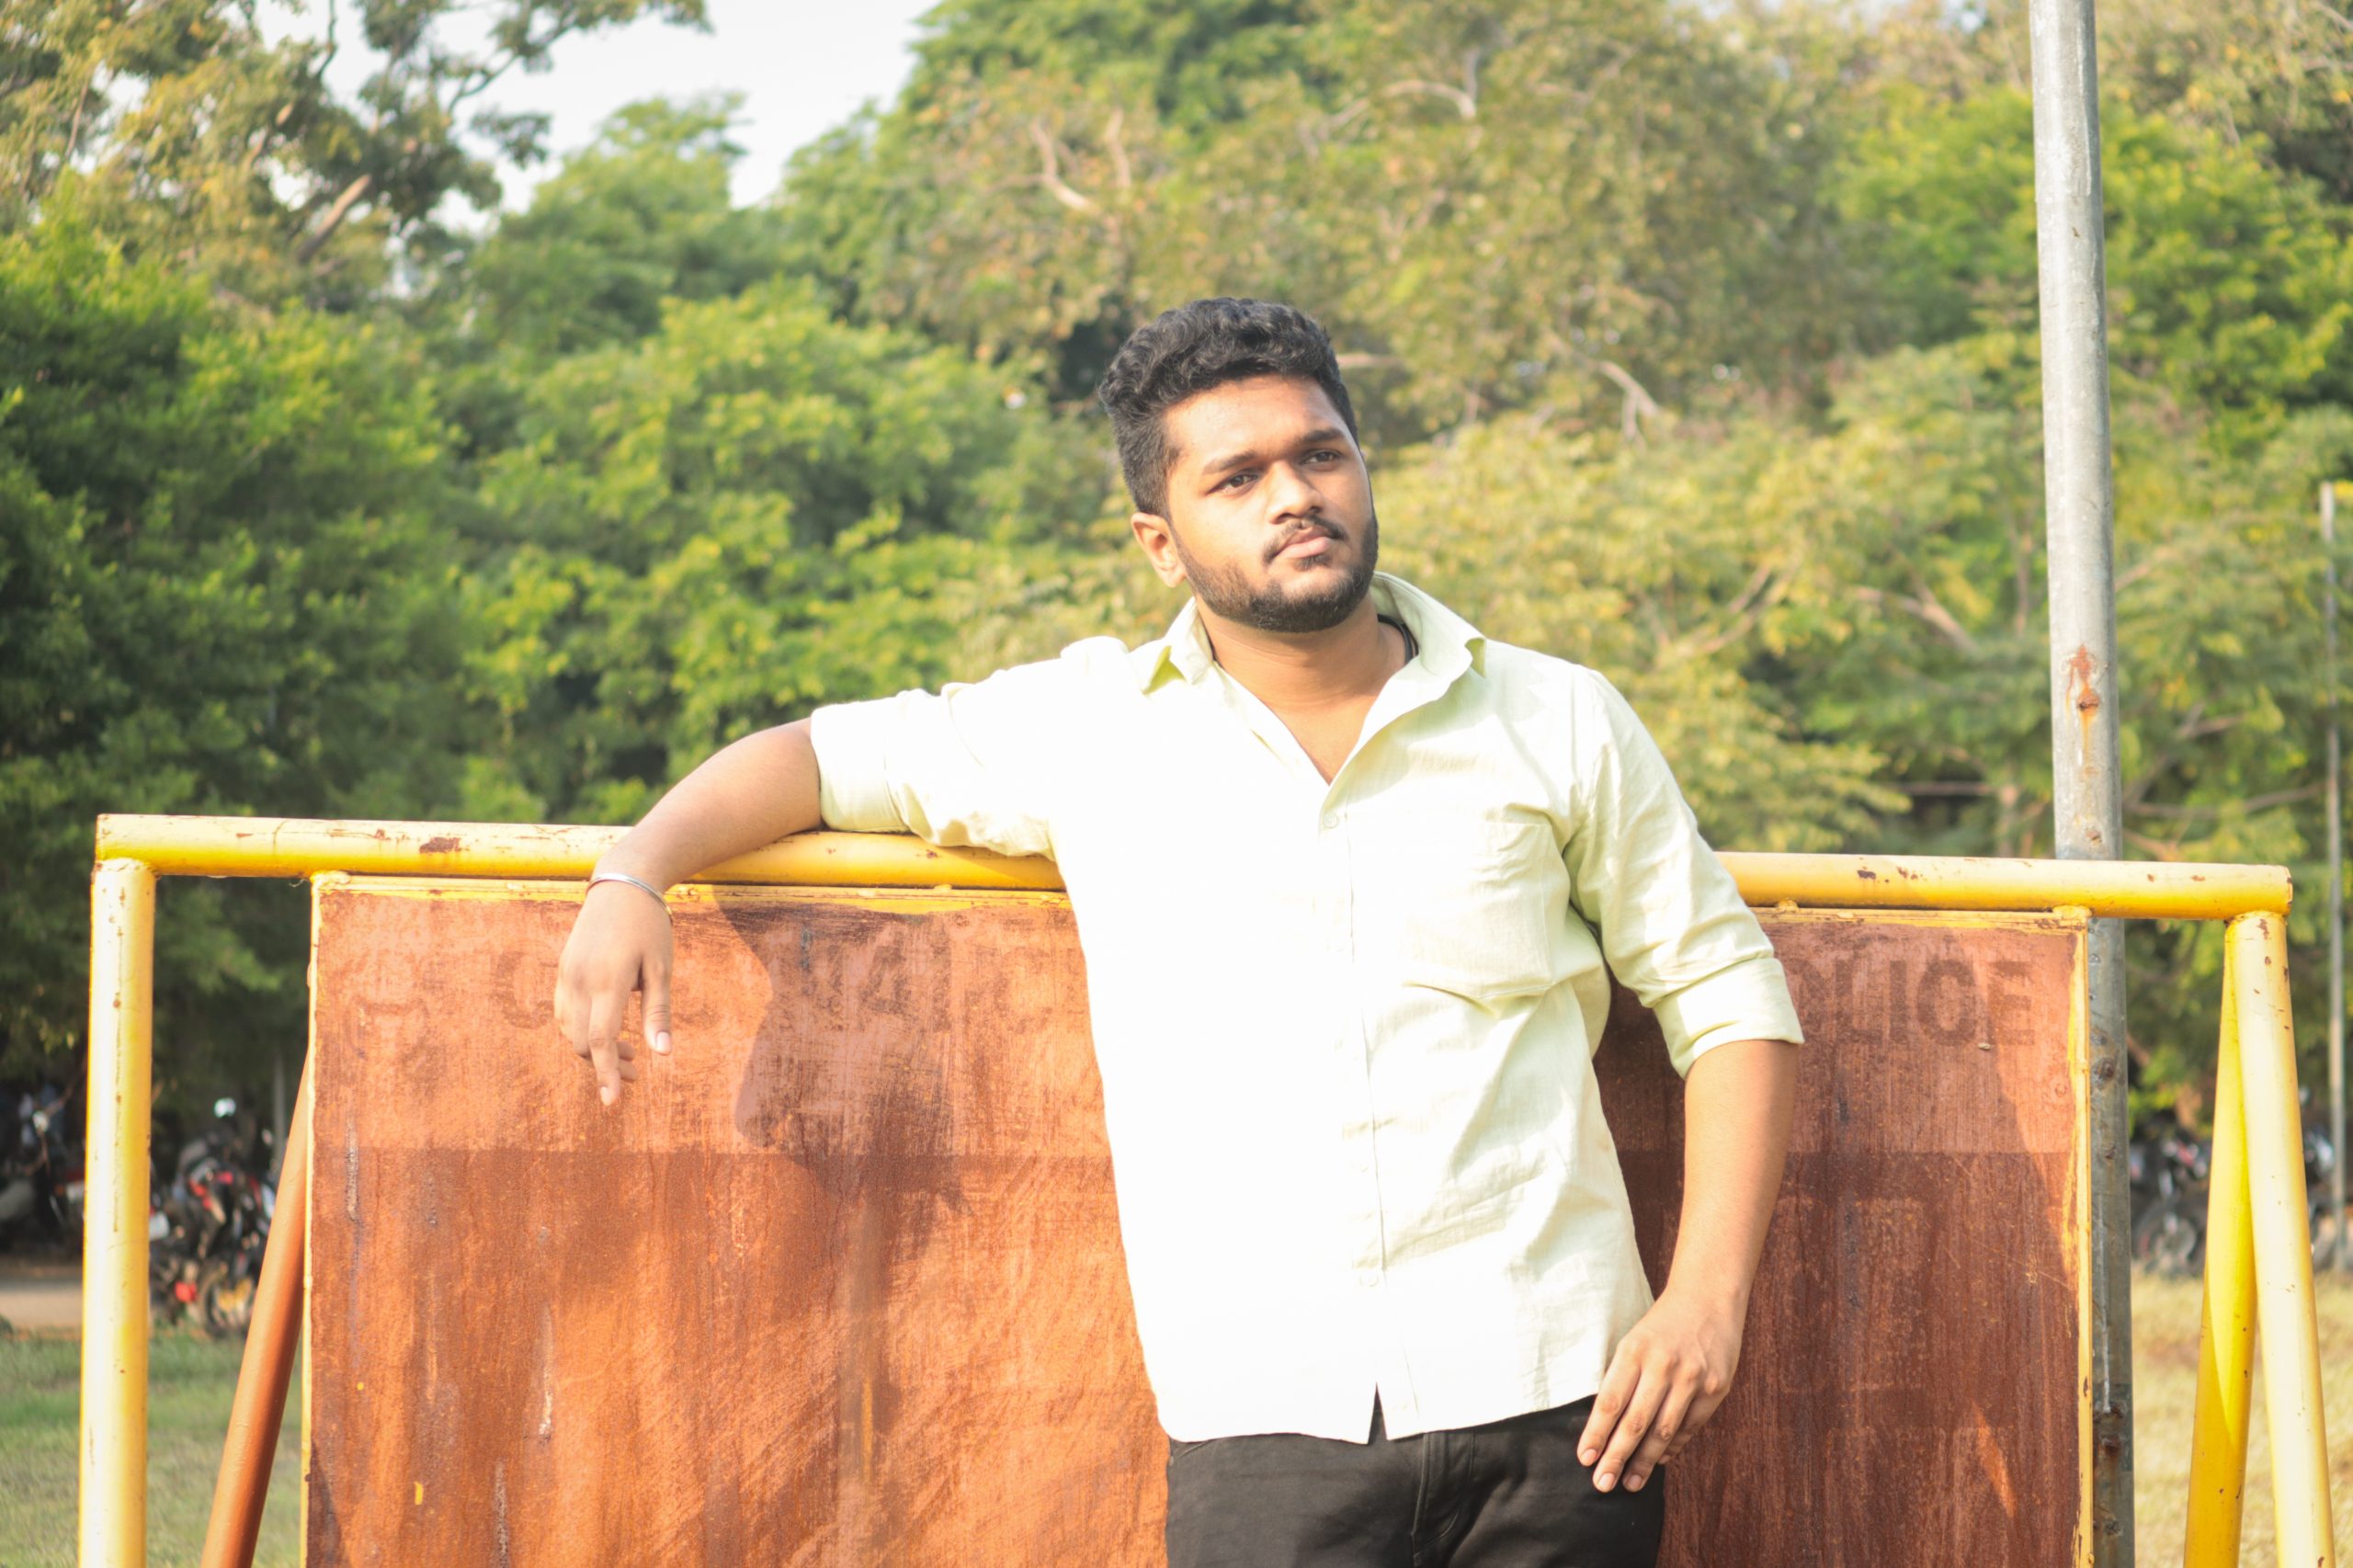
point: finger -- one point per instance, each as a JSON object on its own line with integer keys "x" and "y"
{"x": 583, "y": 1038}
{"x": 1618, "y": 1386}
{"x": 1633, "y": 1427}
{"x": 1671, "y": 1415}
{"x": 1706, "y": 1400}
{"x": 627, "y": 1055}
{"x": 604, "y": 1047}
{"x": 657, "y": 1007}
{"x": 575, "y": 1034}
{"x": 567, "y": 1018}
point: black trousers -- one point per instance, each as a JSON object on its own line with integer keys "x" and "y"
{"x": 1510, "y": 1494}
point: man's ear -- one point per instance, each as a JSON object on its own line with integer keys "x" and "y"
{"x": 1152, "y": 532}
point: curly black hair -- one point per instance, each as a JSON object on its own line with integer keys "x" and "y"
{"x": 1188, "y": 351}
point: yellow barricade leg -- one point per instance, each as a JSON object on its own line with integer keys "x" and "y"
{"x": 114, "y": 1248}
{"x": 2226, "y": 1320}
{"x": 2283, "y": 1258}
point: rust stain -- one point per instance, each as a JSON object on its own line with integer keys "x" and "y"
{"x": 2081, "y": 669}
{"x": 500, "y": 1542}
{"x": 2082, "y": 685}
{"x": 1864, "y": 873}
{"x": 441, "y": 844}
{"x": 1996, "y": 1469}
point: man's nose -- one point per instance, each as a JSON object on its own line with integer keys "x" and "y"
{"x": 1288, "y": 493}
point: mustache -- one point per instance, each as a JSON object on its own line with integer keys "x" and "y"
{"x": 1309, "y": 529}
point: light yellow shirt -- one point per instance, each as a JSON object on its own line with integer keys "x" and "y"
{"x": 1346, "y": 1030}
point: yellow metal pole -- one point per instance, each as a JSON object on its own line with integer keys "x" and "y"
{"x": 267, "y": 846}
{"x": 2284, "y": 1257}
{"x": 2226, "y": 1318}
{"x": 2109, "y": 888}
{"x": 114, "y": 1248}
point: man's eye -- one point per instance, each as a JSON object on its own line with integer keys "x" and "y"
{"x": 1327, "y": 455}
{"x": 1235, "y": 481}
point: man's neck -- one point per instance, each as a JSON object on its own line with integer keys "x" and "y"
{"x": 1307, "y": 671}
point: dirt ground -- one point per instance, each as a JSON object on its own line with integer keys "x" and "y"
{"x": 39, "y": 1296}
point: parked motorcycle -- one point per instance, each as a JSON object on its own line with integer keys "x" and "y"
{"x": 211, "y": 1224}
{"x": 2169, "y": 1191}
{"x": 2319, "y": 1164}
{"x": 41, "y": 1179}
{"x": 2167, "y": 1170}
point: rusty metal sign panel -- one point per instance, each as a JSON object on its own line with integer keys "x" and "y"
{"x": 1911, "y": 1386}
{"x": 841, "y": 1282}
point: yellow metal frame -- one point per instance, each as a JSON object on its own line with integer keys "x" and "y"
{"x": 2258, "y": 1258}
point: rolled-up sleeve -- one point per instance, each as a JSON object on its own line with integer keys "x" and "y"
{"x": 961, "y": 765}
{"x": 1669, "y": 917}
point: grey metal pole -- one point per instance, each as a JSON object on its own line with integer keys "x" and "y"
{"x": 2079, "y": 505}
{"x": 2343, "y": 1257}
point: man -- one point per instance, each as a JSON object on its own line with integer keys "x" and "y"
{"x": 1345, "y": 874}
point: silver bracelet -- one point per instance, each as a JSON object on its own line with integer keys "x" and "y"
{"x": 596, "y": 876}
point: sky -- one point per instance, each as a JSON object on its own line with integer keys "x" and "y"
{"x": 803, "y": 67}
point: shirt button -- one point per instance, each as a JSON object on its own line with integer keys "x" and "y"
{"x": 1369, "y": 1275}
{"x": 1331, "y": 819}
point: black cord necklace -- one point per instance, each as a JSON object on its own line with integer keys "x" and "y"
{"x": 1413, "y": 648}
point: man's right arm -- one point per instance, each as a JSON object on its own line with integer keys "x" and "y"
{"x": 744, "y": 798}
{"x": 966, "y": 765}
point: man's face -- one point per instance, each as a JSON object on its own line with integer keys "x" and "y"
{"x": 1270, "y": 514}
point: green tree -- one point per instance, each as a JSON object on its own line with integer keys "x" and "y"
{"x": 641, "y": 217}
{"x": 2228, "y": 282}
{"x": 753, "y": 511}
{"x": 221, "y": 590}
{"x": 1534, "y": 203}
{"x": 200, "y": 140}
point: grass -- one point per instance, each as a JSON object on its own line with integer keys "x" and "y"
{"x": 187, "y": 1412}
{"x": 189, "y": 1409}
{"x": 2164, "y": 1376}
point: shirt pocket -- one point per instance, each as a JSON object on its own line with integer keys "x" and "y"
{"x": 1479, "y": 901}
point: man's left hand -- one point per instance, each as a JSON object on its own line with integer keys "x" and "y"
{"x": 1670, "y": 1372}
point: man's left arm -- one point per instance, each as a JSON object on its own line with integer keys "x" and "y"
{"x": 1674, "y": 1367}
{"x": 1676, "y": 931}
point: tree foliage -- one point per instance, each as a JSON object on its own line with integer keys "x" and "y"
{"x": 220, "y": 591}
{"x": 752, "y": 511}
{"x": 200, "y": 139}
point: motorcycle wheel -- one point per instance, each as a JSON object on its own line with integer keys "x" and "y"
{"x": 227, "y": 1303}
{"x": 194, "y": 1289}
{"x": 2170, "y": 1239}
{"x": 2325, "y": 1238}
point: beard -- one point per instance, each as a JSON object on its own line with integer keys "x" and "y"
{"x": 1326, "y": 596}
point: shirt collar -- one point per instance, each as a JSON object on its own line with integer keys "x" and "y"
{"x": 1449, "y": 644}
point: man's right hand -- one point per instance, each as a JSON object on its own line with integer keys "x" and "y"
{"x": 749, "y": 795}
{"x": 619, "y": 944}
